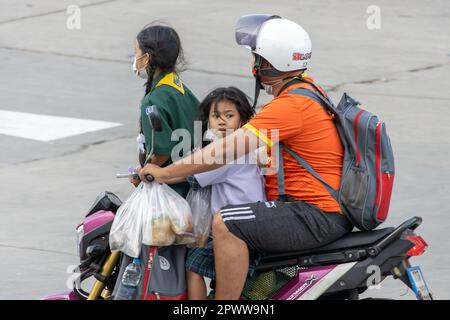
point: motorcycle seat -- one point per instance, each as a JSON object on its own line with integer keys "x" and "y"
{"x": 350, "y": 240}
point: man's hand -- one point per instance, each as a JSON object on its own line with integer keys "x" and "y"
{"x": 157, "y": 172}
{"x": 136, "y": 181}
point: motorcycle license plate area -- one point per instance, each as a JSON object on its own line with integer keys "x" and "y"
{"x": 418, "y": 283}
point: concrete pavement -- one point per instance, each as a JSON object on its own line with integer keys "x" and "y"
{"x": 400, "y": 72}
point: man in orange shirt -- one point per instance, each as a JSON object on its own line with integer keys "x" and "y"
{"x": 305, "y": 215}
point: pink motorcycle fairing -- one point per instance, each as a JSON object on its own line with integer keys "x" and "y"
{"x": 302, "y": 282}
{"x": 66, "y": 295}
{"x": 97, "y": 219}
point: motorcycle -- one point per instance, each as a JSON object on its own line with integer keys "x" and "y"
{"x": 343, "y": 269}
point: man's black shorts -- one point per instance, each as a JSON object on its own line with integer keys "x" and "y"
{"x": 275, "y": 227}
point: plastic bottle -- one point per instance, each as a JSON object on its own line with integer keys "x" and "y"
{"x": 130, "y": 281}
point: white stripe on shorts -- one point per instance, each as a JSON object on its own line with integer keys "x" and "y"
{"x": 234, "y": 209}
{"x": 239, "y": 218}
{"x": 235, "y": 213}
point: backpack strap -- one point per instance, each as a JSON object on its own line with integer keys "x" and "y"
{"x": 324, "y": 102}
{"x": 328, "y": 106}
{"x": 290, "y": 83}
{"x": 282, "y": 196}
{"x": 299, "y": 79}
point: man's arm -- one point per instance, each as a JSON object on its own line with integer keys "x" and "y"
{"x": 175, "y": 180}
{"x": 213, "y": 156}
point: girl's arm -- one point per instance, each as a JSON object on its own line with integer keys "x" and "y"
{"x": 159, "y": 160}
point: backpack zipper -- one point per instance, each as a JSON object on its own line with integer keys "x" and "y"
{"x": 149, "y": 266}
{"x": 367, "y": 133}
{"x": 147, "y": 274}
{"x": 355, "y": 136}
{"x": 378, "y": 158}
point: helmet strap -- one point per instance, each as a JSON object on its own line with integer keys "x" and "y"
{"x": 256, "y": 72}
{"x": 258, "y": 88}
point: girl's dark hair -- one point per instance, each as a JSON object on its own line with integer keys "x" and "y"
{"x": 231, "y": 94}
{"x": 163, "y": 45}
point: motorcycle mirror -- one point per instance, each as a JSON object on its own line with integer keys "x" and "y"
{"x": 153, "y": 116}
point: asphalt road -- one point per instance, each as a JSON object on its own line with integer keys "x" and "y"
{"x": 400, "y": 71}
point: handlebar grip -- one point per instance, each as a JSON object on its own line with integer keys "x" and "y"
{"x": 149, "y": 178}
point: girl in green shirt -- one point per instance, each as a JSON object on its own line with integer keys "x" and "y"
{"x": 158, "y": 59}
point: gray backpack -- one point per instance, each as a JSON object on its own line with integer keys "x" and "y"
{"x": 164, "y": 273}
{"x": 368, "y": 168}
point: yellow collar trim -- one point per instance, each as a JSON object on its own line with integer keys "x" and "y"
{"x": 172, "y": 80}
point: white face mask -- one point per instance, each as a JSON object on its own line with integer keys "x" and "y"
{"x": 269, "y": 87}
{"x": 140, "y": 73}
{"x": 212, "y": 135}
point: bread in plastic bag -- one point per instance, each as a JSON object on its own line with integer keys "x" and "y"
{"x": 154, "y": 215}
{"x": 169, "y": 216}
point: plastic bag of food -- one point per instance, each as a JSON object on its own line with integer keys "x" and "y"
{"x": 168, "y": 218}
{"x": 200, "y": 203}
{"x": 126, "y": 230}
{"x": 154, "y": 215}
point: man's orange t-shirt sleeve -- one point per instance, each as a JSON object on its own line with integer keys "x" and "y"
{"x": 277, "y": 121}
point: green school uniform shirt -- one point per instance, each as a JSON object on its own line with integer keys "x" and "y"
{"x": 178, "y": 108}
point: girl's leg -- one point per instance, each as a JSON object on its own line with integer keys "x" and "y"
{"x": 196, "y": 286}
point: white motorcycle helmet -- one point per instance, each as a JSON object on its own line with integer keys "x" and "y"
{"x": 283, "y": 43}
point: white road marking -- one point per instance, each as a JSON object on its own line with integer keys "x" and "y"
{"x": 45, "y": 127}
